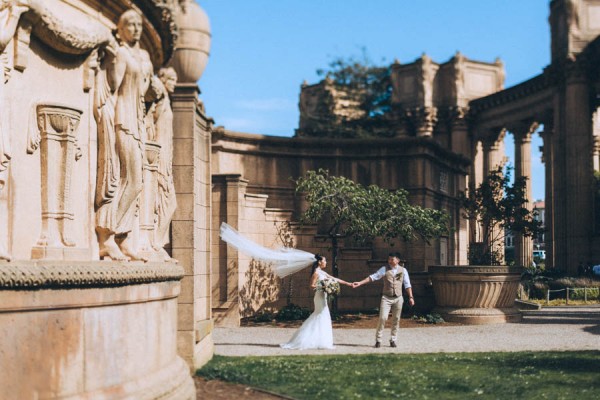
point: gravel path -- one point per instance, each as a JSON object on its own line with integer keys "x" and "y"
{"x": 556, "y": 328}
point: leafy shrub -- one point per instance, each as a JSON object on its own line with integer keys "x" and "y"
{"x": 292, "y": 312}
{"x": 580, "y": 294}
{"x": 432, "y": 318}
{"x": 263, "y": 316}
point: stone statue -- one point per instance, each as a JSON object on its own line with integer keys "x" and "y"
{"x": 120, "y": 111}
{"x": 459, "y": 77}
{"x": 163, "y": 121}
{"x": 10, "y": 12}
{"x": 426, "y": 80}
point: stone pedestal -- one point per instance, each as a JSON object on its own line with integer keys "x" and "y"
{"x": 94, "y": 330}
{"x": 476, "y": 295}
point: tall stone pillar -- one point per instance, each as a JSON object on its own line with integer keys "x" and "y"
{"x": 493, "y": 158}
{"x": 191, "y": 223}
{"x": 474, "y": 179}
{"x": 460, "y": 142}
{"x": 596, "y": 153}
{"x": 574, "y": 131}
{"x": 493, "y": 151}
{"x": 548, "y": 159}
{"x": 522, "y": 134}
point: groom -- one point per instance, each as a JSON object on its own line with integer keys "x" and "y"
{"x": 394, "y": 275}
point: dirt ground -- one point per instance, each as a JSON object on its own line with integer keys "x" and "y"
{"x": 351, "y": 321}
{"x": 219, "y": 390}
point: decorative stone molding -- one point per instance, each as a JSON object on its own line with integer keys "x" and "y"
{"x": 422, "y": 120}
{"x": 454, "y": 117}
{"x": 149, "y": 198}
{"x": 21, "y": 47}
{"x": 522, "y": 131}
{"x": 37, "y": 275}
{"x": 476, "y": 294}
{"x": 63, "y": 36}
{"x": 514, "y": 93}
{"x": 57, "y": 125}
{"x": 193, "y": 42}
{"x": 162, "y": 14}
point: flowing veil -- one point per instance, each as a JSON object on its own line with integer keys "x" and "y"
{"x": 284, "y": 261}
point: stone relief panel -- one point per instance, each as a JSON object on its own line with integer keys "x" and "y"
{"x": 57, "y": 126}
{"x": 72, "y": 79}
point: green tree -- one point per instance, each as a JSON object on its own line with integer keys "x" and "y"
{"x": 370, "y": 84}
{"x": 496, "y": 206}
{"x": 364, "y": 213}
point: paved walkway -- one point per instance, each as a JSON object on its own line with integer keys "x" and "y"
{"x": 556, "y": 328}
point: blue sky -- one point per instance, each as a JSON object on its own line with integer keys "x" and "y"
{"x": 262, "y": 50}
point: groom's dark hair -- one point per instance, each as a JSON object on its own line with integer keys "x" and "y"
{"x": 394, "y": 254}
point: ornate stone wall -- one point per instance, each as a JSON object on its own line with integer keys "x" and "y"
{"x": 252, "y": 190}
{"x": 87, "y": 192}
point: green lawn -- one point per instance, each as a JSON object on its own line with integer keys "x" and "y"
{"x": 523, "y": 375}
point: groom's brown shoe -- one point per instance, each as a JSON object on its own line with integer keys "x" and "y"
{"x": 392, "y": 343}
{"x": 377, "y": 345}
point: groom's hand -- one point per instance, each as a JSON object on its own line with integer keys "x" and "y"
{"x": 355, "y": 285}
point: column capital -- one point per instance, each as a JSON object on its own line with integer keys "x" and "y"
{"x": 596, "y": 145}
{"x": 523, "y": 130}
{"x": 422, "y": 120}
{"x": 491, "y": 141}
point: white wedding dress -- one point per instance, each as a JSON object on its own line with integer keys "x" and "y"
{"x": 316, "y": 332}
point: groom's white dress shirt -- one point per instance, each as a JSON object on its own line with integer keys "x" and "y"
{"x": 381, "y": 273}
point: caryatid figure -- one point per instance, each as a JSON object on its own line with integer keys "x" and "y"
{"x": 166, "y": 201}
{"x": 10, "y": 12}
{"x": 120, "y": 112}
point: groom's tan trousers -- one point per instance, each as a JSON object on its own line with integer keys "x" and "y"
{"x": 389, "y": 303}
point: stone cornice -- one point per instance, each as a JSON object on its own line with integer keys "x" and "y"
{"x": 522, "y": 90}
{"x": 237, "y": 142}
{"x": 32, "y": 275}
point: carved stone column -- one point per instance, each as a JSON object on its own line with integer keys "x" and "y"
{"x": 548, "y": 159}
{"x": 493, "y": 158}
{"x": 459, "y": 142}
{"x": 57, "y": 126}
{"x": 148, "y": 200}
{"x": 596, "y": 153}
{"x": 422, "y": 120}
{"x": 522, "y": 135}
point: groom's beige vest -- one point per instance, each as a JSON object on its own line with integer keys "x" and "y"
{"x": 392, "y": 285}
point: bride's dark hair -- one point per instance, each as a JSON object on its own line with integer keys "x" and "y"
{"x": 315, "y": 265}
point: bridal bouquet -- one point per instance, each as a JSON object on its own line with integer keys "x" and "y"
{"x": 330, "y": 287}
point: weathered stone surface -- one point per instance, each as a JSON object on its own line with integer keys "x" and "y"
{"x": 81, "y": 331}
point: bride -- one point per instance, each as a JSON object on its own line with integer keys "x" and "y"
{"x": 316, "y": 332}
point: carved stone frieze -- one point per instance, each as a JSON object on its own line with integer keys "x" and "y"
{"x": 37, "y": 275}
{"x": 57, "y": 125}
{"x": 64, "y": 36}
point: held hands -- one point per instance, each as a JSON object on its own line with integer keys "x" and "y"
{"x": 355, "y": 285}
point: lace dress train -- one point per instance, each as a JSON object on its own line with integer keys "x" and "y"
{"x": 316, "y": 332}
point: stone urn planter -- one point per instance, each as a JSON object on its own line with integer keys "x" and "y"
{"x": 476, "y": 294}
